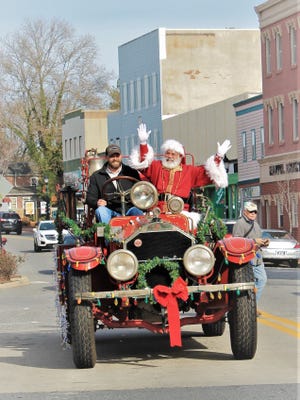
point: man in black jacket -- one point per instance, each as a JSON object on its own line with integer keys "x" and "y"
{"x": 105, "y": 209}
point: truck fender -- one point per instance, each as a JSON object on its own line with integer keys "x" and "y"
{"x": 238, "y": 250}
{"x": 83, "y": 258}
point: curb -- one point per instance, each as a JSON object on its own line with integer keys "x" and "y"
{"x": 15, "y": 282}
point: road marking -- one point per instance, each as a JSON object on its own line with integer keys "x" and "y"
{"x": 285, "y": 325}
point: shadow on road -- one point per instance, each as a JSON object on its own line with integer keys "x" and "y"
{"x": 43, "y": 349}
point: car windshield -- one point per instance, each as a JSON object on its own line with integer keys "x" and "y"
{"x": 276, "y": 235}
{"x": 47, "y": 226}
{"x": 10, "y": 216}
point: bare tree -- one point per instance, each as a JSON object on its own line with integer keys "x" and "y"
{"x": 10, "y": 149}
{"x": 286, "y": 192}
{"x": 46, "y": 71}
{"x": 114, "y": 94}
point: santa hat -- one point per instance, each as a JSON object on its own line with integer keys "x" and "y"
{"x": 174, "y": 145}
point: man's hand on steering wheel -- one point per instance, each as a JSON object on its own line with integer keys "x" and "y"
{"x": 119, "y": 192}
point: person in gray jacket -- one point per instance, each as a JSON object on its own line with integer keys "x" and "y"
{"x": 105, "y": 209}
{"x": 248, "y": 227}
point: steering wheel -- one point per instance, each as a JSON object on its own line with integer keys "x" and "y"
{"x": 119, "y": 192}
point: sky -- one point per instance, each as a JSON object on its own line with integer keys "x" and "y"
{"x": 115, "y": 22}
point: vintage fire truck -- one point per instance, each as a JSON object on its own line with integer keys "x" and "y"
{"x": 155, "y": 271}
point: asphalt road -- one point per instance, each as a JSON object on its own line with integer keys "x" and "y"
{"x": 137, "y": 364}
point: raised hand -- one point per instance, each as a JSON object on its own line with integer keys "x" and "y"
{"x": 223, "y": 148}
{"x": 143, "y": 133}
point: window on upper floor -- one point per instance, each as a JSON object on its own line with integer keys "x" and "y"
{"x": 146, "y": 91}
{"x": 262, "y": 142}
{"x": 124, "y": 98}
{"x": 80, "y": 147}
{"x": 131, "y": 96}
{"x": 279, "y": 213}
{"x": 244, "y": 146}
{"x": 66, "y": 149}
{"x": 294, "y": 209}
{"x": 154, "y": 89}
{"x": 278, "y": 43}
{"x": 295, "y": 105}
{"x": 280, "y": 122}
{"x": 293, "y": 45}
{"x": 155, "y": 141}
{"x": 253, "y": 144}
{"x": 138, "y": 94}
{"x": 70, "y": 148}
{"x": 75, "y": 147}
{"x": 268, "y": 55}
{"x": 270, "y": 125}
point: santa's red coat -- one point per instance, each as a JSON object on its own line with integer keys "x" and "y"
{"x": 177, "y": 181}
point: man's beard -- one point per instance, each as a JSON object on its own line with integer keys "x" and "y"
{"x": 114, "y": 165}
{"x": 170, "y": 164}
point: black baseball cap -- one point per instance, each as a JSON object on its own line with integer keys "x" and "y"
{"x": 112, "y": 149}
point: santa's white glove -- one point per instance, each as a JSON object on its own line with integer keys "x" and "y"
{"x": 143, "y": 134}
{"x": 223, "y": 148}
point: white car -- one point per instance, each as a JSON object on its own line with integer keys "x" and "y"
{"x": 45, "y": 235}
{"x": 283, "y": 247}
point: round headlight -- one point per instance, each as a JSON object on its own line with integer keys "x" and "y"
{"x": 175, "y": 205}
{"x": 143, "y": 195}
{"x": 122, "y": 265}
{"x": 198, "y": 260}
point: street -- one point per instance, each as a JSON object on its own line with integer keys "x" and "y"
{"x": 138, "y": 364}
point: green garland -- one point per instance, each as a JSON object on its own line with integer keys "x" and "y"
{"x": 146, "y": 267}
{"x": 82, "y": 233}
{"x": 210, "y": 226}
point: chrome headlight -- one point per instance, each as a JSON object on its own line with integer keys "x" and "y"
{"x": 198, "y": 260}
{"x": 143, "y": 195}
{"x": 122, "y": 265}
{"x": 175, "y": 205}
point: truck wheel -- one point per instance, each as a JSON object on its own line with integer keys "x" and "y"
{"x": 82, "y": 321}
{"x": 214, "y": 329}
{"x": 242, "y": 317}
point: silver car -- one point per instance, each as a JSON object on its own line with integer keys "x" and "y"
{"x": 282, "y": 247}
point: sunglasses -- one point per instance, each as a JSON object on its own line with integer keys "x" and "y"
{"x": 252, "y": 212}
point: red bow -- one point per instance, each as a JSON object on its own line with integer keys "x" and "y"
{"x": 167, "y": 297}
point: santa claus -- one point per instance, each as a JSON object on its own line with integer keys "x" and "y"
{"x": 172, "y": 176}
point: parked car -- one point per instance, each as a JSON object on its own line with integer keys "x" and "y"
{"x": 10, "y": 222}
{"x": 282, "y": 247}
{"x": 45, "y": 235}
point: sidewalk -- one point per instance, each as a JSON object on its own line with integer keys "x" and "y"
{"x": 15, "y": 282}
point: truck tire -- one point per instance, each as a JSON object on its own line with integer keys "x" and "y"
{"x": 214, "y": 329}
{"x": 242, "y": 317}
{"x": 81, "y": 321}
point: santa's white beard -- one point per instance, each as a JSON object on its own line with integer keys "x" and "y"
{"x": 170, "y": 164}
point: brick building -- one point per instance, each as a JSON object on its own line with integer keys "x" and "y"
{"x": 279, "y": 170}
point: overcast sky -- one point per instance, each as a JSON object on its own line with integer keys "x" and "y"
{"x": 115, "y": 22}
